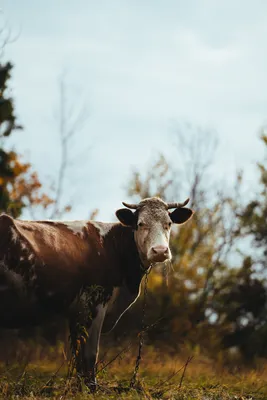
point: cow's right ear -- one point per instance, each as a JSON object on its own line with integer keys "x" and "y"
{"x": 125, "y": 216}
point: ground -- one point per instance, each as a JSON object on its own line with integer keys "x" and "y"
{"x": 162, "y": 376}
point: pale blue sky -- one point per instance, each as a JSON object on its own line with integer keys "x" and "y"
{"x": 138, "y": 66}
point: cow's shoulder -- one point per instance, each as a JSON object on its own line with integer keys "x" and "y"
{"x": 102, "y": 228}
{"x": 6, "y": 221}
{"x": 8, "y": 230}
{"x": 15, "y": 249}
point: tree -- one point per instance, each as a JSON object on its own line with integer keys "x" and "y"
{"x": 242, "y": 298}
{"x": 19, "y": 185}
{"x": 253, "y": 216}
{"x": 240, "y": 307}
{"x": 199, "y": 248}
{"x": 70, "y": 119}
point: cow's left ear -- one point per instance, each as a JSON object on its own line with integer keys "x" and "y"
{"x": 181, "y": 215}
{"x": 125, "y": 216}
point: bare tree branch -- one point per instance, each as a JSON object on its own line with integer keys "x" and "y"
{"x": 6, "y": 35}
{"x": 71, "y": 122}
{"x": 197, "y": 148}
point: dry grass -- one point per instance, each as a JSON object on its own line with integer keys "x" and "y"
{"x": 162, "y": 376}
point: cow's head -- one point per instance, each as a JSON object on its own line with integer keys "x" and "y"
{"x": 151, "y": 222}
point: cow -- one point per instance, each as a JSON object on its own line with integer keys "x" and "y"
{"x": 88, "y": 271}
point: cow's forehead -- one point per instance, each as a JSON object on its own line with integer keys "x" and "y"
{"x": 153, "y": 208}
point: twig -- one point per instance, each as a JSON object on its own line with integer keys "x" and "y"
{"x": 173, "y": 374}
{"x": 124, "y": 350}
{"x": 52, "y": 377}
{"x": 183, "y": 374}
{"x": 259, "y": 388}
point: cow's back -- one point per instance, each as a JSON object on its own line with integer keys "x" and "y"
{"x": 55, "y": 244}
{"x": 42, "y": 265}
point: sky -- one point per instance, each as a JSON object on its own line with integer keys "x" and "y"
{"x": 139, "y": 69}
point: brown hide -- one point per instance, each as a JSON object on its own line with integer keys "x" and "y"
{"x": 52, "y": 265}
{"x": 64, "y": 256}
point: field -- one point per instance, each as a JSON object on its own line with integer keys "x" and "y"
{"x": 162, "y": 376}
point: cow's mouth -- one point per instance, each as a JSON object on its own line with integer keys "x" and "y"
{"x": 159, "y": 258}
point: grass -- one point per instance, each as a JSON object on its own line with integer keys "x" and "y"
{"x": 161, "y": 376}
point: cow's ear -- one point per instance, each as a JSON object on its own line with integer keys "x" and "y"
{"x": 181, "y": 215}
{"x": 125, "y": 216}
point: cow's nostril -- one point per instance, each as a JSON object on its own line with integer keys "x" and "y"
{"x": 160, "y": 249}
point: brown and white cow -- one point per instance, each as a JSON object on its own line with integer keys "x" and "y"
{"x": 85, "y": 270}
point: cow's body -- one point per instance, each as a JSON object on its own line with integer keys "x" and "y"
{"x": 85, "y": 270}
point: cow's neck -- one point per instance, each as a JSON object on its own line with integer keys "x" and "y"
{"x": 125, "y": 251}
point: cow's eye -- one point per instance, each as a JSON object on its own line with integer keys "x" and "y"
{"x": 169, "y": 224}
{"x": 141, "y": 224}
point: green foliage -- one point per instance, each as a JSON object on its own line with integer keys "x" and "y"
{"x": 253, "y": 216}
{"x": 6, "y": 104}
{"x": 241, "y": 305}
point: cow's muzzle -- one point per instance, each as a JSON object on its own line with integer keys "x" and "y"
{"x": 159, "y": 253}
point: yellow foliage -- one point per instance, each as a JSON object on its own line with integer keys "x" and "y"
{"x": 22, "y": 185}
{"x": 155, "y": 280}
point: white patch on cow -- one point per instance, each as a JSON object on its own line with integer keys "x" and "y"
{"x": 92, "y": 343}
{"x": 102, "y": 227}
{"x": 98, "y": 253}
{"x": 34, "y": 277}
{"x": 113, "y": 298}
{"x": 23, "y": 246}
{"x": 21, "y": 258}
{"x": 31, "y": 257}
{"x": 14, "y": 235}
{"x": 75, "y": 226}
{"x": 146, "y": 239}
{"x": 161, "y": 239}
